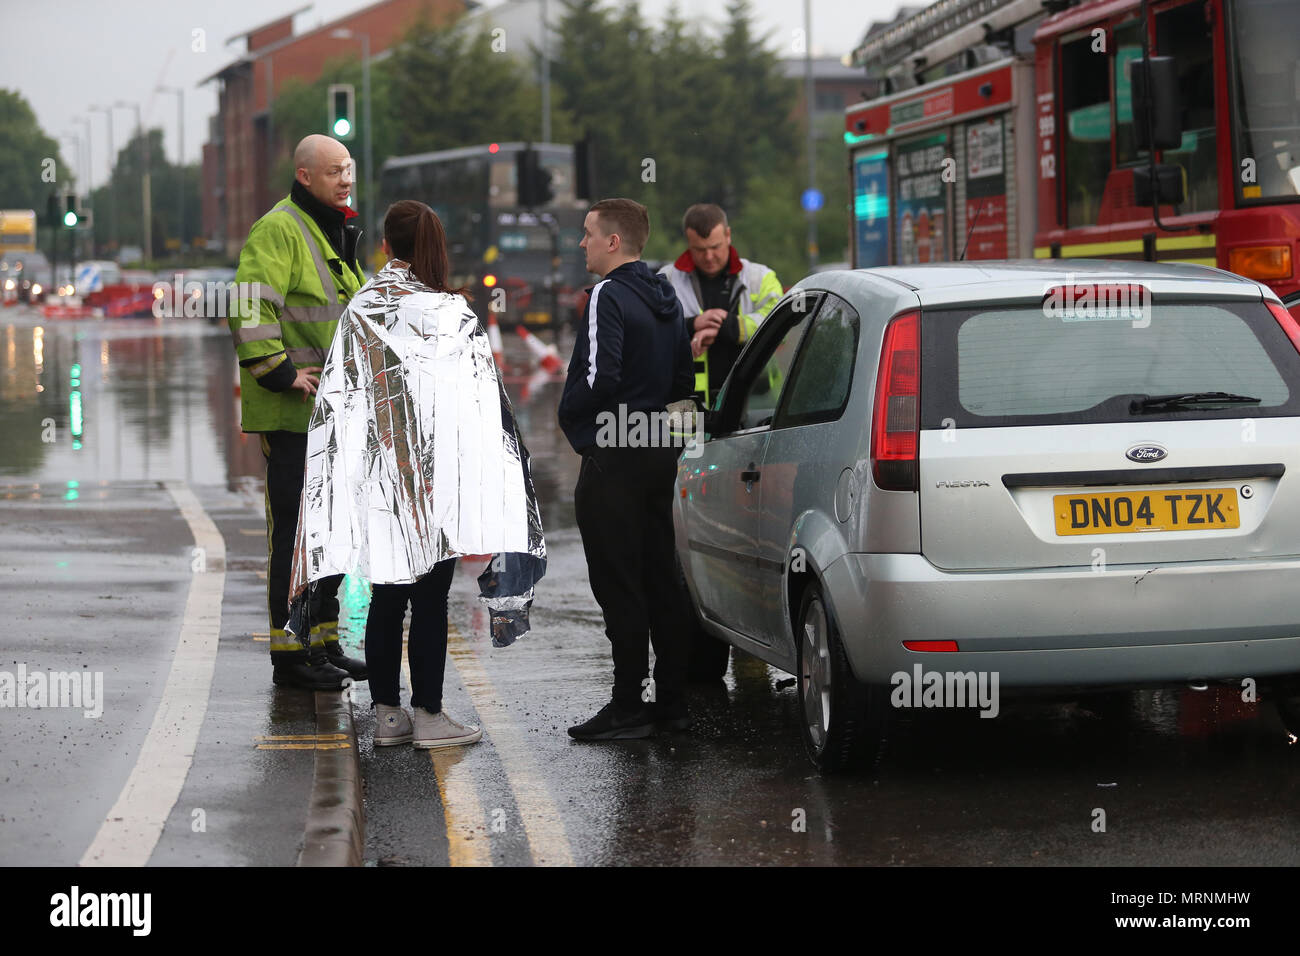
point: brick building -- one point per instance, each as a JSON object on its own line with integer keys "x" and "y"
{"x": 238, "y": 157}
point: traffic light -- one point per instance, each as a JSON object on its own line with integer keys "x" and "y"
{"x": 342, "y": 102}
{"x": 533, "y": 179}
{"x": 70, "y": 215}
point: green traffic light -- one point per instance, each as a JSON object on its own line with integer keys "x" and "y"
{"x": 342, "y": 127}
{"x": 69, "y": 218}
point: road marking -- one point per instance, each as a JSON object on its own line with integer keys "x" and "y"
{"x": 302, "y": 737}
{"x": 460, "y": 804}
{"x": 130, "y": 832}
{"x": 541, "y": 818}
{"x": 343, "y": 745}
{"x": 253, "y": 532}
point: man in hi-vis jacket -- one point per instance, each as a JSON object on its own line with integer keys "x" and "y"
{"x": 723, "y": 296}
{"x": 300, "y": 261}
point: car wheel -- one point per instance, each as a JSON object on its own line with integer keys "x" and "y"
{"x": 709, "y": 656}
{"x": 843, "y": 721}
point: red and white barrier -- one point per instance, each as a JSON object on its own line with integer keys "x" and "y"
{"x": 494, "y": 338}
{"x": 547, "y": 356}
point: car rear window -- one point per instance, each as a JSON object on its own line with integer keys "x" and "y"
{"x": 1021, "y": 365}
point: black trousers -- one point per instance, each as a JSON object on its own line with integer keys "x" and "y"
{"x": 286, "y": 457}
{"x": 427, "y": 647}
{"x": 623, "y": 503}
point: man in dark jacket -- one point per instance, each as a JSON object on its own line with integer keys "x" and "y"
{"x": 631, "y": 359}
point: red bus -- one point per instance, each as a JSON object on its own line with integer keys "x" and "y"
{"x": 1029, "y": 146}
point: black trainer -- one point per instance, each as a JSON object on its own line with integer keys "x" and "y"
{"x": 671, "y": 715}
{"x": 356, "y": 668}
{"x": 615, "y": 723}
{"x": 310, "y": 673}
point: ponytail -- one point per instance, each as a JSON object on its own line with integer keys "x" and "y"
{"x": 415, "y": 235}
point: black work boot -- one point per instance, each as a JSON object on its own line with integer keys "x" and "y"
{"x": 308, "y": 672}
{"x": 671, "y": 714}
{"x": 616, "y": 723}
{"x": 356, "y": 668}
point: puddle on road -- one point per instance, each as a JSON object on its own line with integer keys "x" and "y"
{"x": 155, "y": 399}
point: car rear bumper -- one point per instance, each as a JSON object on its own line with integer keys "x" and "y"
{"x": 1125, "y": 625}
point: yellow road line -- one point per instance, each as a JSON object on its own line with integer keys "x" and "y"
{"x": 460, "y": 804}
{"x": 302, "y": 737}
{"x": 341, "y": 745}
{"x": 253, "y": 532}
{"x": 541, "y": 817}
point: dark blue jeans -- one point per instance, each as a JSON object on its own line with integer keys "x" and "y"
{"x": 427, "y": 645}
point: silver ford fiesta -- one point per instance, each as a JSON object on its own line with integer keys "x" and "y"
{"x": 937, "y": 480}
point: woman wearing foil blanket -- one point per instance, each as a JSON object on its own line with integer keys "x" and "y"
{"x": 414, "y": 459}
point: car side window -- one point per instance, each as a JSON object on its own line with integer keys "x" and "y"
{"x": 823, "y": 374}
{"x": 766, "y": 373}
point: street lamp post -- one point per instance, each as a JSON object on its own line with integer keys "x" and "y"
{"x": 146, "y": 200}
{"x": 90, "y": 178}
{"x": 180, "y": 157}
{"x": 112, "y": 159}
{"x": 371, "y": 209}
{"x": 808, "y": 95}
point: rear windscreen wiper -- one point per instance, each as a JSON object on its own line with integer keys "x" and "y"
{"x": 1153, "y": 403}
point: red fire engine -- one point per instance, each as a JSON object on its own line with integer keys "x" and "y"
{"x": 1007, "y": 130}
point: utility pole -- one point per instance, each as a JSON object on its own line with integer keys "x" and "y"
{"x": 89, "y": 185}
{"x": 112, "y": 159}
{"x": 146, "y": 200}
{"x": 546, "y": 76}
{"x": 812, "y": 133}
{"x": 180, "y": 160}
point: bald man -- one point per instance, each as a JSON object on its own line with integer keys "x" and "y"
{"x": 300, "y": 261}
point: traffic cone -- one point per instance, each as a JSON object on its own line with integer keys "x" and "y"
{"x": 494, "y": 338}
{"x": 546, "y": 355}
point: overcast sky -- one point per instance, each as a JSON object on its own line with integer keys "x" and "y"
{"x": 120, "y": 50}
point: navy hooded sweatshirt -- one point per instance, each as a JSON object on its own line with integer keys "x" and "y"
{"x": 632, "y": 349}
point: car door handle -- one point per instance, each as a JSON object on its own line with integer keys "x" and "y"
{"x": 748, "y": 476}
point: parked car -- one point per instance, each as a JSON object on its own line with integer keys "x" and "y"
{"x": 26, "y": 276}
{"x": 979, "y": 468}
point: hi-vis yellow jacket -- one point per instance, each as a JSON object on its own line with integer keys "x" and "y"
{"x": 759, "y": 290}
{"x": 296, "y": 288}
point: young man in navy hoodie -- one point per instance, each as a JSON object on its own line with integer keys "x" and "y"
{"x": 631, "y": 359}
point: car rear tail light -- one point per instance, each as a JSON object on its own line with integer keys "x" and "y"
{"x": 948, "y": 647}
{"x": 1288, "y": 322}
{"x": 896, "y": 421}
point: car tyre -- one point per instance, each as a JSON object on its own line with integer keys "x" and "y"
{"x": 842, "y": 721}
{"x": 709, "y": 656}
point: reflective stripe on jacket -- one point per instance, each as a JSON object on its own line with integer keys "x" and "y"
{"x": 760, "y": 290}
{"x": 288, "y": 314}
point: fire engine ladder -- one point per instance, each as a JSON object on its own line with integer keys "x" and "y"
{"x": 940, "y": 31}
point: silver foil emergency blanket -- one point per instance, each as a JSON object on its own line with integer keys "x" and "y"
{"x": 414, "y": 456}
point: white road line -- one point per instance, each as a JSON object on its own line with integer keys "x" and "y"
{"x": 131, "y": 830}
{"x": 541, "y": 817}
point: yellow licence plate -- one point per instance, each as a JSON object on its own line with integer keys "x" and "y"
{"x": 1126, "y": 512}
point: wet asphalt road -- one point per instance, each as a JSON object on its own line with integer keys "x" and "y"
{"x": 94, "y": 567}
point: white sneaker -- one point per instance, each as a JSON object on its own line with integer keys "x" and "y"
{"x": 392, "y": 726}
{"x": 439, "y": 730}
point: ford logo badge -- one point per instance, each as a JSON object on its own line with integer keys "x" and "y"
{"x": 1146, "y": 453}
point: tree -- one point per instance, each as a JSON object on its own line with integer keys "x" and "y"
{"x": 31, "y": 167}
{"x": 447, "y": 88}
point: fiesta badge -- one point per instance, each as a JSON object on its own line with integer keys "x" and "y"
{"x": 1146, "y": 453}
